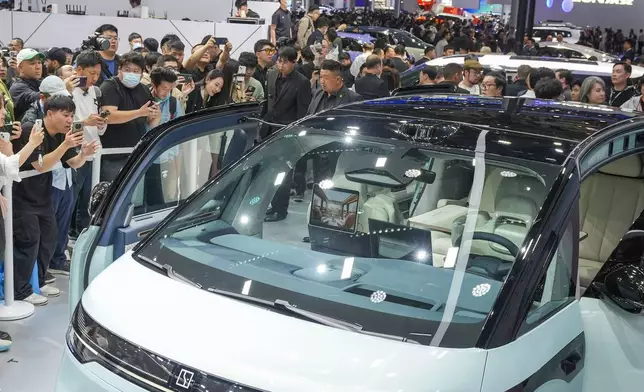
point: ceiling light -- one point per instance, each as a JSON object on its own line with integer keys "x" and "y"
{"x": 412, "y": 173}
{"x": 380, "y": 162}
{"x": 508, "y": 174}
{"x": 326, "y": 184}
{"x": 559, "y": 150}
{"x": 330, "y": 118}
{"x": 506, "y": 142}
{"x": 557, "y": 143}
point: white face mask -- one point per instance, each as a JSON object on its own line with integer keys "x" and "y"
{"x": 131, "y": 79}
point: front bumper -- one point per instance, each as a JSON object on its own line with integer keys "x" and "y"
{"x": 76, "y": 377}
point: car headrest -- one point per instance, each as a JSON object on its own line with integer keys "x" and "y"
{"x": 520, "y": 196}
{"x": 630, "y": 166}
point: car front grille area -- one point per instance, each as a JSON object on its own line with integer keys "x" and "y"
{"x": 89, "y": 342}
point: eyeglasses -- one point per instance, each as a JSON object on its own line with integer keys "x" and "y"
{"x": 488, "y": 85}
{"x": 114, "y": 38}
{"x": 269, "y": 51}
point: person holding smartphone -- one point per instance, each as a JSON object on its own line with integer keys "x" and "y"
{"x": 87, "y": 97}
{"x": 132, "y": 110}
{"x": 34, "y": 221}
{"x": 9, "y": 165}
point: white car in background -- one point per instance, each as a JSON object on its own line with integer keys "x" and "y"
{"x": 509, "y": 64}
{"x": 570, "y": 32}
{"x": 574, "y": 51}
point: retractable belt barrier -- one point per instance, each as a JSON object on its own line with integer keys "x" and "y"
{"x": 16, "y": 310}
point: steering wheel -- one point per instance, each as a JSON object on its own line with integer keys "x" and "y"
{"x": 488, "y": 266}
{"x": 491, "y": 237}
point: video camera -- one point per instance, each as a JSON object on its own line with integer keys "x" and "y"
{"x": 96, "y": 42}
{"x": 285, "y": 41}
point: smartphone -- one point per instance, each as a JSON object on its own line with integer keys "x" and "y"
{"x": 82, "y": 81}
{"x": 13, "y": 54}
{"x": 249, "y": 90}
{"x": 104, "y": 113}
{"x": 186, "y": 77}
{"x": 38, "y": 123}
{"x": 77, "y": 126}
{"x": 6, "y": 136}
{"x": 221, "y": 41}
{"x": 242, "y": 70}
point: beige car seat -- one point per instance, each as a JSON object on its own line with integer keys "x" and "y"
{"x": 610, "y": 201}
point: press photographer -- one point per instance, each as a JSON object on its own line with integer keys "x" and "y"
{"x": 106, "y": 41}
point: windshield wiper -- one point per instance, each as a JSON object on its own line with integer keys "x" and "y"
{"x": 170, "y": 272}
{"x": 283, "y": 305}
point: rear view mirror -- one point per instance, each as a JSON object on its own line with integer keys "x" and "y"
{"x": 625, "y": 287}
{"x": 98, "y": 194}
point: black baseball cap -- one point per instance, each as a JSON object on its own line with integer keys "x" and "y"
{"x": 57, "y": 54}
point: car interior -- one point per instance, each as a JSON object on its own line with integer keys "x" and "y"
{"x": 611, "y": 200}
{"x": 437, "y": 206}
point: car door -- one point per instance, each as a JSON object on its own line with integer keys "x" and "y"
{"x": 613, "y": 323}
{"x": 534, "y": 335}
{"x": 166, "y": 167}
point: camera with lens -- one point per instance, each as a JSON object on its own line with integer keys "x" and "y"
{"x": 96, "y": 42}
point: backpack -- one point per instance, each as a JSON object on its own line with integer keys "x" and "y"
{"x": 310, "y": 27}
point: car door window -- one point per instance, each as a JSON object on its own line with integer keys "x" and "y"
{"x": 179, "y": 171}
{"x": 557, "y": 287}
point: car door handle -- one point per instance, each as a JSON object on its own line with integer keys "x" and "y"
{"x": 569, "y": 364}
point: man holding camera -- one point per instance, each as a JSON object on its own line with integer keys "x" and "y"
{"x": 34, "y": 223}
{"x": 109, "y": 68}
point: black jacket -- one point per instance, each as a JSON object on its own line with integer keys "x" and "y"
{"x": 515, "y": 88}
{"x": 292, "y": 102}
{"x": 344, "y": 96}
{"x": 24, "y": 93}
{"x": 371, "y": 86}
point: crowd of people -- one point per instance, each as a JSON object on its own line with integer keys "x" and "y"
{"x": 60, "y": 107}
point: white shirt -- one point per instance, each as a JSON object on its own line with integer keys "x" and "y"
{"x": 87, "y": 104}
{"x": 357, "y": 63}
{"x": 529, "y": 94}
{"x": 9, "y": 169}
{"x": 474, "y": 90}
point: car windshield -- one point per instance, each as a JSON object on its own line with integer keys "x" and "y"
{"x": 402, "y": 237}
{"x": 409, "y": 40}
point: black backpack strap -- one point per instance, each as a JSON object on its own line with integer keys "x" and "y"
{"x": 173, "y": 107}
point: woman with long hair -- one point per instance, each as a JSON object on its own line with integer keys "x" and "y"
{"x": 392, "y": 77}
{"x": 207, "y": 92}
{"x": 593, "y": 90}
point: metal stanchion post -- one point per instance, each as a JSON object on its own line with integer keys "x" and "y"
{"x": 193, "y": 166}
{"x": 10, "y": 309}
{"x": 96, "y": 169}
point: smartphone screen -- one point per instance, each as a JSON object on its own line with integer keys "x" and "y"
{"x": 221, "y": 41}
{"x": 82, "y": 81}
{"x": 104, "y": 113}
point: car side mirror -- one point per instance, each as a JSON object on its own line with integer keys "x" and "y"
{"x": 98, "y": 194}
{"x": 625, "y": 287}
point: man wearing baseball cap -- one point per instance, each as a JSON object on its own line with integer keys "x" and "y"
{"x": 56, "y": 58}
{"x": 24, "y": 90}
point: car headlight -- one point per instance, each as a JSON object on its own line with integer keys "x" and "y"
{"x": 90, "y": 342}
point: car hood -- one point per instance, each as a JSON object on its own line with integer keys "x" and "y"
{"x": 262, "y": 349}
